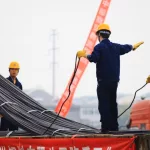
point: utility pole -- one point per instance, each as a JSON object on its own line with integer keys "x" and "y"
{"x": 52, "y": 47}
{"x": 54, "y": 61}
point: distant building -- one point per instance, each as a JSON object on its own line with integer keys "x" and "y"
{"x": 89, "y": 115}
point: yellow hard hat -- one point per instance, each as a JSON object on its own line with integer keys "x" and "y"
{"x": 104, "y": 28}
{"x": 14, "y": 65}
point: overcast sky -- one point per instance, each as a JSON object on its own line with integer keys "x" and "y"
{"x": 25, "y": 36}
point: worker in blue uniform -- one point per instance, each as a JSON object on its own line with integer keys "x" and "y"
{"x": 13, "y": 70}
{"x": 106, "y": 55}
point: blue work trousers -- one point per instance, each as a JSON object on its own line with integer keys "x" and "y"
{"x": 107, "y": 105}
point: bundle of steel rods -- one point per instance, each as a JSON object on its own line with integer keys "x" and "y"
{"x": 28, "y": 114}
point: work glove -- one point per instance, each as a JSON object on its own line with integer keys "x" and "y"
{"x": 148, "y": 79}
{"x": 81, "y": 53}
{"x": 135, "y": 46}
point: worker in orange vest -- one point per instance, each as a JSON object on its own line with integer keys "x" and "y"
{"x": 13, "y": 70}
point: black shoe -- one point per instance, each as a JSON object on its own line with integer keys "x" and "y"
{"x": 104, "y": 131}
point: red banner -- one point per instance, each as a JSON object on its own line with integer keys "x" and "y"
{"x": 105, "y": 143}
{"x": 68, "y": 144}
{"x": 90, "y": 43}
